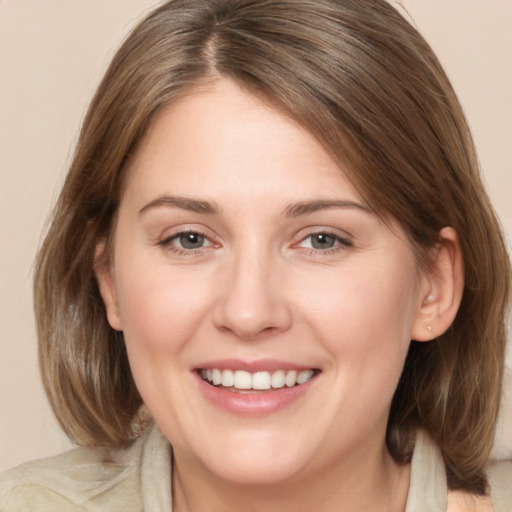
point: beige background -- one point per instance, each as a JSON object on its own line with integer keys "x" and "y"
{"x": 52, "y": 54}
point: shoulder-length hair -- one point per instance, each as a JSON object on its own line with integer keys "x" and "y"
{"x": 369, "y": 88}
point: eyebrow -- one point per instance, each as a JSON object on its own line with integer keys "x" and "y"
{"x": 185, "y": 203}
{"x": 305, "y": 207}
{"x": 211, "y": 208}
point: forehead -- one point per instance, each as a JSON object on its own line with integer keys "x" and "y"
{"x": 222, "y": 138}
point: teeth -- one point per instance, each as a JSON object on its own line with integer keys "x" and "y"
{"x": 228, "y": 379}
{"x": 243, "y": 380}
{"x": 290, "y": 378}
{"x": 261, "y": 380}
{"x": 303, "y": 377}
{"x": 216, "y": 377}
{"x": 278, "y": 379}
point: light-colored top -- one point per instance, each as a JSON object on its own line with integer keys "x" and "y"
{"x": 138, "y": 478}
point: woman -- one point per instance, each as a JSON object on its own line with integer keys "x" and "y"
{"x": 268, "y": 202}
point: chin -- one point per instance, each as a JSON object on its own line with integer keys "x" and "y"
{"x": 262, "y": 472}
{"x": 254, "y": 458}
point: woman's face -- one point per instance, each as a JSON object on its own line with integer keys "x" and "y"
{"x": 243, "y": 256}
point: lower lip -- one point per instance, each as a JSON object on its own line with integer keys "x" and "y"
{"x": 259, "y": 403}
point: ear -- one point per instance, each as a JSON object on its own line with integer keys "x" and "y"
{"x": 104, "y": 276}
{"x": 441, "y": 290}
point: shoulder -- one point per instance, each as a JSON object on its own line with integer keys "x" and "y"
{"x": 499, "y": 474}
{"x": 461, "y": 501}
{"x": 83, "y": 479}
{"x": 428, "y": 482}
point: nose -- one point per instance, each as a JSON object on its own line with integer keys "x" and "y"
{"x": 253, "y": 302}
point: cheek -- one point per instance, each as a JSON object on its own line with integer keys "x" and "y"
{"x": 362, "y": 300}
{"x": 161, "y": 310}
{"x": 364, "y": 319}
{"x": 160, "y": 306}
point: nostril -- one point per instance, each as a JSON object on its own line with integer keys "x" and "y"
{"x": 250, "y": 334}
{"x": 250, "y": 305}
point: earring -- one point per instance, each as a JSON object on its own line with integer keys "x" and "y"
{"x": 116, "y": 315}
{"x": 429, "y": 329}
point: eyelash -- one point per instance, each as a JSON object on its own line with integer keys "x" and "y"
{"x": 166, "y": 243}
{"x": 340, "y": 243}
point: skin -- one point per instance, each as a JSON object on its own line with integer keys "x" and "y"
{"x": 261, "y": 287}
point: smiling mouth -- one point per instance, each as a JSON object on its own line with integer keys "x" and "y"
{"x": 242, "y": 381}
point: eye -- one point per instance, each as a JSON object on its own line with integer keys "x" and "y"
{"x": 186, "y": 242}
{"x": 190, "y": 240}
{"x": 323, "y": 241}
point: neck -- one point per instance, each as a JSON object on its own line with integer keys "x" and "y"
{"x": 372, "y": 482}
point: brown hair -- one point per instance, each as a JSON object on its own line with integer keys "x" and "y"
{"x": 366, "y": 84}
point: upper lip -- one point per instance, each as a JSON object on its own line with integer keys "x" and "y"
{"x": 260, "y": 365}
